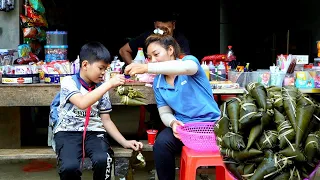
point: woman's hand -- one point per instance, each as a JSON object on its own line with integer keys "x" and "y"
{"x": 133, "y": 69}
{"x": 133, "y": 144}
{"x": 174, "y": 126}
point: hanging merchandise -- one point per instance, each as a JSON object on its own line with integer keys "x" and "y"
{"x": 6, "y": 5}
{"x": 140, "y": 58}
{"x": 38, "y": 19}
{"x": 37, "y": 5}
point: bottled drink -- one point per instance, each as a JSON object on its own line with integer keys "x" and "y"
{"x": 222, "y": 71}
{"x": 206, "y": 69}
{"x": 140, "y": 58}
{"x": 212, "y": 70}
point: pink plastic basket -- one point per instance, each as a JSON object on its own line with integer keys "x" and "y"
{"x": 198, "y": 136}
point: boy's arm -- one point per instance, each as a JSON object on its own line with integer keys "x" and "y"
{"x": 112, "y": 129}
{"x": 84, "y": 101}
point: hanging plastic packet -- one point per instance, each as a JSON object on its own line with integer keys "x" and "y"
{"x": 38, "y": 18}
{"x": 37, "y": 5}
{"x": 25, "y": 21}
{"x": 41, "y": 36}
{"x": 24, "y": 50}
{"x": 30, "y": 32}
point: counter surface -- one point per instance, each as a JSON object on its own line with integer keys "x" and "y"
{"x": 43, "y": 94}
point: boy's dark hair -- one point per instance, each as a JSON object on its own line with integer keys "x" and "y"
{"x": 93, "y": 52}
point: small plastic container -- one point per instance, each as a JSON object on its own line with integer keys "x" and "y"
{"x": 53, "y": 53}
{"x": 57, "y": 37}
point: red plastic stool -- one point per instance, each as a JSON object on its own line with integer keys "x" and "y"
{"x": 191, "y": 160}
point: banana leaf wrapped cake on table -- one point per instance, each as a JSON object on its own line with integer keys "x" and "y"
{"x": 130, "y": 96}
{"x": 276, "y": 135}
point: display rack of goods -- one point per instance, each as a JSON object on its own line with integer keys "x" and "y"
{"x": 270, "y": 133}
{"x": 55, "y": 71}
{"x": 20, "y": 74}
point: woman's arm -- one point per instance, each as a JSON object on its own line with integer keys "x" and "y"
{"x": 166, "y": 115}
{"x": 174, "y": 67}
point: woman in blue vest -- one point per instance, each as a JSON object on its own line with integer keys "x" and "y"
{"x": 182, "y": 92}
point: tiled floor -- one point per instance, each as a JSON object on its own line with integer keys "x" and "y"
{"x": 14, "y": 171}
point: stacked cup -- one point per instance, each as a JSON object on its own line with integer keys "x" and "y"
{"x": 56, "y": 48}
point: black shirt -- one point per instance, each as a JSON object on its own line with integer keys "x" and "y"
{"x": 139, "y": 41}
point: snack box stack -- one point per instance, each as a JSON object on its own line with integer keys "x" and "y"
{"x": 57, "y": 46}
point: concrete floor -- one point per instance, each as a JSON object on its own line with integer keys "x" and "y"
{"x": 14, "y": 171}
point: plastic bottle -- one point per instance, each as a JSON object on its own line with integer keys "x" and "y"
{"x": 140, "y": 58}
{"x": 230, "y": 55}
{"x": 117, "y": 65}
{"x": 113, "y": 63}
{"x": 222, "y": 71}
{"x": 212, "y": 70}
{"x": 206, "y": 69}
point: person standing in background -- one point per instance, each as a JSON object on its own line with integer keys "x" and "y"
{"x": 168, "y": 20}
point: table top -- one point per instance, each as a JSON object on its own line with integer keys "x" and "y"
{"x": 41, "y": 94}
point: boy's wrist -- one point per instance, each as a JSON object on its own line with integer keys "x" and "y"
{"x": 108, "y": 85}
{"x": 123, "y": 142}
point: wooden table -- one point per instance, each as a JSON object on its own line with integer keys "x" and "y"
{"x": 43, "y": 94}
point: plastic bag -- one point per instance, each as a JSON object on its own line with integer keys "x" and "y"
{"x": 37, "y": 5}
{"x": 26, "y": 21}
{"x": 39, "y": 19}
{"x": 30, "y": 32}
{"x": 24, "y": 50}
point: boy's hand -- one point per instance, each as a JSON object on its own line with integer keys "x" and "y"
{"x": 133, "y": 144}
{"x": 117, "y": 80}
{"x": 175, "y": 124}
{"x": 133, "y": 69}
